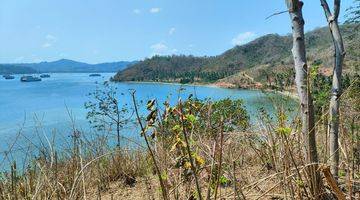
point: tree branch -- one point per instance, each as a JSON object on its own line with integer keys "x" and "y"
{"x": 336, "y": 8}
{"x": 332, "y": 183}
{"x": 277, "y": 13}
{"x": 327, "y": 11}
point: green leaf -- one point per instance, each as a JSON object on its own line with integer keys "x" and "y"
{"x": 191, "y": 118}
{"x": 284, "y": 130}
{"x": 177, "y": 128}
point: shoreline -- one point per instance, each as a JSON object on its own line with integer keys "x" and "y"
{"x": 213, "y": 85}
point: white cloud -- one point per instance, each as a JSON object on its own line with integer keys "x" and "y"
{"x": 162, "y": 49}
{"x": 49, "y": 41}
{"x": 243, "y": 38}
{"x": 172, "y": 31}
{"x": 46, "y": 45}
{"x": 62, "y": 55}
{"x": 137, "y": 11}
{"x": 50, "y": 37}
{"x": 155, "y": 10}
{"x": 159, "y": 48}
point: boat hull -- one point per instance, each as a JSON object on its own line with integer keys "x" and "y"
{"x": 8, "y": 77}
{"x": 29, "y": 79}
{"x": 44, "y": 76}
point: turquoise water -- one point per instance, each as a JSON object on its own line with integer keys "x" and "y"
{"x": 38, "y": 108}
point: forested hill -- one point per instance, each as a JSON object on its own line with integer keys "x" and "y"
{"x": 270, "y": 52}
{"x": 14, "y": 69}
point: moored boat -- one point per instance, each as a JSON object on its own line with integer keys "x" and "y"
{"x": 45, "y": 76}
{"x": 29, "y": 79}
{"x": 93, "y": 75}
{"x": 8, "y": 76}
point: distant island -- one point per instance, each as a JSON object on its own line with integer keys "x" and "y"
{"x": 63, "y": 65}
{"x": 265, "y": 60}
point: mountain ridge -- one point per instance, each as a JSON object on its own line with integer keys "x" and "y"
{"x": 64, "y": 65}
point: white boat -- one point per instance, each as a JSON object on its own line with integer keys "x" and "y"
{"x": 30, "y": 79}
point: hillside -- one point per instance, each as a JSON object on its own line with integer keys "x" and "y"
{"x": 257, "y": 59}
{"x": 65, "y": 65}
{"x": 14, "y": 69}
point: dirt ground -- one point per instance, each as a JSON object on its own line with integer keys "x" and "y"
{"x": 119, "y": 191}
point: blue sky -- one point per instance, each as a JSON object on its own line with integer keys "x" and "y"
{"x": 111, "y": 30}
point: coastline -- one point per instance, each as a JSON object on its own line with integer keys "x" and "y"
{"x": 214, "y": 85}
{"x": 174, "y": 83}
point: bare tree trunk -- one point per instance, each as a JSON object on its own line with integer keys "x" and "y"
{"x": 118, "y": 124}
{"x": 303, "y": 89}
{"x": 333, "y": 126}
